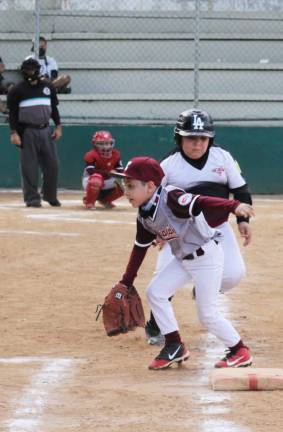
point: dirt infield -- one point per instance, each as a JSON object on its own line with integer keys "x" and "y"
{"x": 59, "y": 372}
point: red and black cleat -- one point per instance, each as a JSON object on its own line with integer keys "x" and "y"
{"x": 171, "y": 353}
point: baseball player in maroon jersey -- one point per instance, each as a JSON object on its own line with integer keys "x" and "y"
{"x": 201, "y": 167}
{"x": 98, "y": 182}
{"x": 176, "y": 217}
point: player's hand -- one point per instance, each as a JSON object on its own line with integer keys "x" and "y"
{"x": 57, "y": 133}
{"x": 159, "y": 243}
{"x": 246, "y": 232}
{"x": 245, "y": 210}
{"x": 15, "y": 139}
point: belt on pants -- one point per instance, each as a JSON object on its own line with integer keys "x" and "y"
{"x": 40, "y": 126}
{"x": 199, "y": 252}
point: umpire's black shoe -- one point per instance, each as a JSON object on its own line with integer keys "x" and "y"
{"x": 153, "y": 334}
{"x": 55, "y": 203}
{"x": 33, "y": 204}
{"x": 172, "y": 353}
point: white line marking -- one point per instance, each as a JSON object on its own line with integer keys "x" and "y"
{"x": 54, "y": 217}
{"x": 34, "y": 359}
{"x": 212, "y": 425}
{"x": 9, "y": 206}
{"x": 40, "y": 233}
{"x": 29, "y": 407}
{"x": 211, "y": 402}
{"x": 81, "y": 213}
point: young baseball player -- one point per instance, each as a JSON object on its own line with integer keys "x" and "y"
{"x": 199, "y": 166}
{"x": 98, "y": 182}
{"x": 176, "y": 216}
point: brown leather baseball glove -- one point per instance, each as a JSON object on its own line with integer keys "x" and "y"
{"x": 122, "y": 310}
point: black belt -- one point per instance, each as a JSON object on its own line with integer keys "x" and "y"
{"x": 199, "y": 252}
{"x": 40, "y": 126}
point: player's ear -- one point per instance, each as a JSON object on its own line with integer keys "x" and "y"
{"x": 151, "y": 185}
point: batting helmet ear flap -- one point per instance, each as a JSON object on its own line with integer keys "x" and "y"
{"x": 178, "y": 140}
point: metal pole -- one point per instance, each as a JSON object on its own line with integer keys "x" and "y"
{"x": 37, "y": 28}
{"x": 196, "y": 53}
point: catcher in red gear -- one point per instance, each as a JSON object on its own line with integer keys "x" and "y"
{"x": 98, "y": 183}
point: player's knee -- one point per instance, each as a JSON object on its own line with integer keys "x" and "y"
{"x": 151, "y": 295}
{"x": 232, "y": 279}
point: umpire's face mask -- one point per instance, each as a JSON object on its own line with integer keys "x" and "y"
{"x": 30, "y": 75}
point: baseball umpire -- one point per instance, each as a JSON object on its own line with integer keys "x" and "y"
{"x": 32, "y": 102}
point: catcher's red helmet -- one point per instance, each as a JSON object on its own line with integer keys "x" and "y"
{"x": 103, "y": 142}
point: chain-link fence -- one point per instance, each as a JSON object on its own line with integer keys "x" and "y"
{"x": 147, "y": 60}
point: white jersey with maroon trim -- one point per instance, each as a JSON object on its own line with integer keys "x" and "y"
{"x": 185, "y": 233}
{"x": 220, "y": 168}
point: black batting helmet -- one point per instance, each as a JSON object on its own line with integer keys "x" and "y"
{"x": 30, "y": 69}
{"x": 194, "y": 122}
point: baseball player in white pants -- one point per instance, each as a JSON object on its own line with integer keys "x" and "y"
{"x": 200, "y": 167}
{"x": 176, "y": 216}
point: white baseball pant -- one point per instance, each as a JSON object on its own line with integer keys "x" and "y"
{"x": 206, "y": 274}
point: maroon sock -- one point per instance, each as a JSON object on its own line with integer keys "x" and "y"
{"x": 173, "y": 337}
{"x": 236, "y": 347}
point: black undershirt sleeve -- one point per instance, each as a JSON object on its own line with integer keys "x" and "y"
{"x": 13, "y": 105}
{"x": 243, "y": 195}
{"x": 54, "y": 102}
{"x": 56, "y": 116}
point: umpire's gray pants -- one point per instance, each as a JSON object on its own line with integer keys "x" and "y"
{"x": 39, "y": 151}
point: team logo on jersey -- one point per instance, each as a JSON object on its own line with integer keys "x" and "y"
{"x": 198, "y": 124}
{"x": 46, "y": 91}
{"x": 168, "y": 233}
{"x": 219, "y": 170}
{"x": 185, "y": 199}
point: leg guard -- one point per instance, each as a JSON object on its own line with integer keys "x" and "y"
{"x": 113, "y": 194}
{"x": 94, "y": 186}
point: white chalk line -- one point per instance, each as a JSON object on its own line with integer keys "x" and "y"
{"x": 29, "y": 407}
{"x": 58, "y": 217}
{"x": 35, "y": 359}
{"x": 213, "y": 403}
{"x": 39, "y": 233}
{"x": 82, "y": 213}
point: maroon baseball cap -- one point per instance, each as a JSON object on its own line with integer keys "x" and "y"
{"x": 145, "y": 169}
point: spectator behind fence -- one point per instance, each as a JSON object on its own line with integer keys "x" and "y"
{"x": 49, "y": 69}
{"x": 5, "y": 86}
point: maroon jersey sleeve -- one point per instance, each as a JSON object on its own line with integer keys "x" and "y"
{"x": 216, "y": 210}
{"x": 144, "y": 239}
